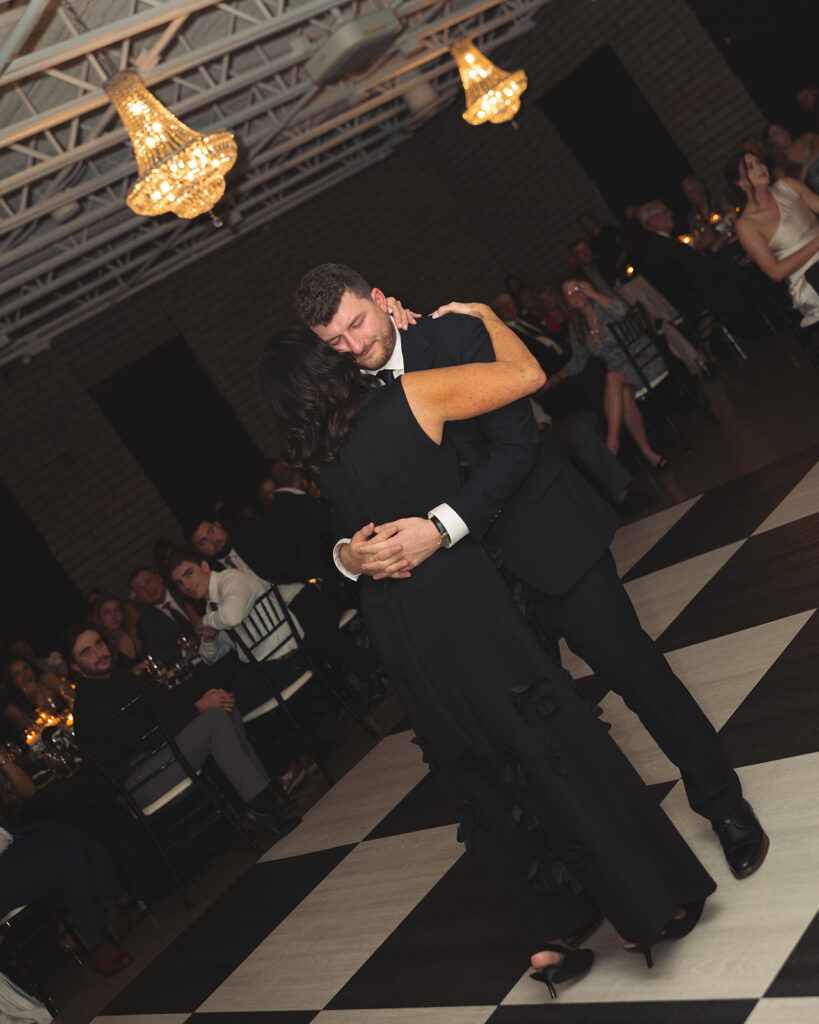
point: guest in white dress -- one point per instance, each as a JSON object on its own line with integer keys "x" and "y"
{"x": 778, "y": 228}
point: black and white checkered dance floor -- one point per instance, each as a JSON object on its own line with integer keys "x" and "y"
{"x": 370, "y": 913}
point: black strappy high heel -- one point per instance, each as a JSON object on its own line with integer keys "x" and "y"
{"x": 574, "y": 963}
{"x": 676, "y": 928}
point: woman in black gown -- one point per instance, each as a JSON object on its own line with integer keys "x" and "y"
{"x": 557, "y": 815}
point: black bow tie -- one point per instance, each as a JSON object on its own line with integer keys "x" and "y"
{"x": 386, "y": 376}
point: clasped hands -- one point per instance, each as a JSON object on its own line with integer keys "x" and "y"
{"x": 391, "y": 549}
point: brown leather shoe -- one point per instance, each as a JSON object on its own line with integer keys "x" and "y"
{"x": 128, "y": 919}
{"x": 108, "y": 959}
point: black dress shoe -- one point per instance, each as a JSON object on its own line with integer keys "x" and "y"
{"x": 271, "y": 823}
{"x": 743, "y": 839}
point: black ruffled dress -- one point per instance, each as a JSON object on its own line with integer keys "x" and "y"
{"x": 557, "y": 815}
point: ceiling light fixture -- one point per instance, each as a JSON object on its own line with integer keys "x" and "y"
{"x": 181, "y": 171}
{"x": 491, "y": 94}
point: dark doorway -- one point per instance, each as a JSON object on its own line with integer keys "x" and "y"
{"x": 771, "y": 48}
{"x": 41, "y": 597}
{"x": 615, "y": 135}
{"x": 181, "y": 430}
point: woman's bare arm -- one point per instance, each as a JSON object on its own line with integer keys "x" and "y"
{"x": 461, "y": 392}
{"x": 753, "y": 242}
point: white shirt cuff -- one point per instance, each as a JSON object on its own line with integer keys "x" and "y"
{"x": 452, "y": 522}
{"x": 337, "y": 559}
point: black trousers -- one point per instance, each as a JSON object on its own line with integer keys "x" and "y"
{"x": 57, "y": 856}
{"x": 600, "y": 625}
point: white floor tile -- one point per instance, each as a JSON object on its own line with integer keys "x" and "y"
{"x": 325, "y": 940}
{"x": 719, "y": 673}
{"x": 802, "y": 501}
{"x": 411, "y": 1015}
{"x": 142, "y": 1018}
{"x": 356, "y": 803}
{"x": 785, "y": 1011}
{"x": 749, "y": 927}
{"x": 633, "y": 541}
{"x": 660, "y": 596}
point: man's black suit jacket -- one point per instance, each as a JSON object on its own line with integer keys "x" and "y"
{"x": 158, "y": 634}
{"x": 690, "y": 280}
{"x": 516, "y": 494}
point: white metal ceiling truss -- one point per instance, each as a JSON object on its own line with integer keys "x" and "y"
{"x": 68, "y": 244}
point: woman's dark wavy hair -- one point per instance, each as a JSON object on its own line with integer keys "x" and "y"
{"x": 314, "y": 394}
{"x": 732, "y": 173}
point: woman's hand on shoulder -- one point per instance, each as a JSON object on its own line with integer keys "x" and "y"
{"x": 476, "y": 309}
{"x": 402, "y": 316}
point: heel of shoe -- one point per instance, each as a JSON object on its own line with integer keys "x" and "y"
{"x": 644, "y": 950}
{"x": 574, "y": 963}
{"x": 544, "y": 975}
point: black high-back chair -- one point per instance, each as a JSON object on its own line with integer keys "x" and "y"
{"x": 271, "y": 641}
{"x": 641, "y": 345}
{"x": 186, "y": 806}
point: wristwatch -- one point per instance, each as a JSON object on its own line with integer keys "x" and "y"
{"x": 444, "y": 540}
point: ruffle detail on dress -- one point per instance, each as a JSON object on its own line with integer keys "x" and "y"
{"x": 512, "y": 772}
{"x": 534, "y": 701}
{"x": 525, "y": 819}
{"x": 547, "y": 876}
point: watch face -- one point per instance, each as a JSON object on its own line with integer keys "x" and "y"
{"x": 446, "y": 540}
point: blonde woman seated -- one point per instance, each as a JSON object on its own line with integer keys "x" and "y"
{"x": 590, "y": 316}
{"x": 118, "y": 629}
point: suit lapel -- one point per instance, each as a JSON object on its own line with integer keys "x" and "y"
{"x": 416, "y": 348}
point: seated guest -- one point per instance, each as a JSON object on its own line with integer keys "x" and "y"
{"x": 230, "y": 596}
{"x": 163, "y": 618}
{"x": 779, "y": 230}
{"x": 119, "y": 631}
{"x": 691, "y": 281}
{"x": 807, "y": 103}
{"x": 210, "y": 726}
{"x": 266, "y": 492}
{"x": 701, "y": 209}
{"x": 591, "y": 314}
{"x": 290, "y": 509}
{"x": 43, "y": 690}
{"x": 587, "y": 269}
{"x": 799, "y": 157}
{"x": 548, "y": 347}
{"x": 56, "y": 857}
{"x": 604, "y": 240}
{"x": 263, "y": 549}
{"x": 20, "y": 646}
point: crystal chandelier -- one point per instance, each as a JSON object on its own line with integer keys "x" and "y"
{"x": 491, "y": 94}
{"x": 180, "y": 170}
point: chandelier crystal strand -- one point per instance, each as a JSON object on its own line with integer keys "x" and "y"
{"x": 491, "y": 94}
{"x": 180, "y": 170}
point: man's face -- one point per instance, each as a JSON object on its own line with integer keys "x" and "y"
{"x": 806, "y": 98}
{"x": 91, "y": 655}
{"x": 583, "y": 253}
{"x": 211, "y": 539}
{"x": 148, "y": 587}
{"x": 361, "y": 329}
{"x": 192, "y": 579}
{"x": 662, "y": 220}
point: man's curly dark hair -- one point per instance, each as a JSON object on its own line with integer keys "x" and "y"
{"x": 314, "y": 394}
{"x": 319, "y": 292}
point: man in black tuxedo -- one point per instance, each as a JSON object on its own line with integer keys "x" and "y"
{"x": 689, "y": 280}
{"x": 552, "y": 531}
{"x": 292, "y": 506}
